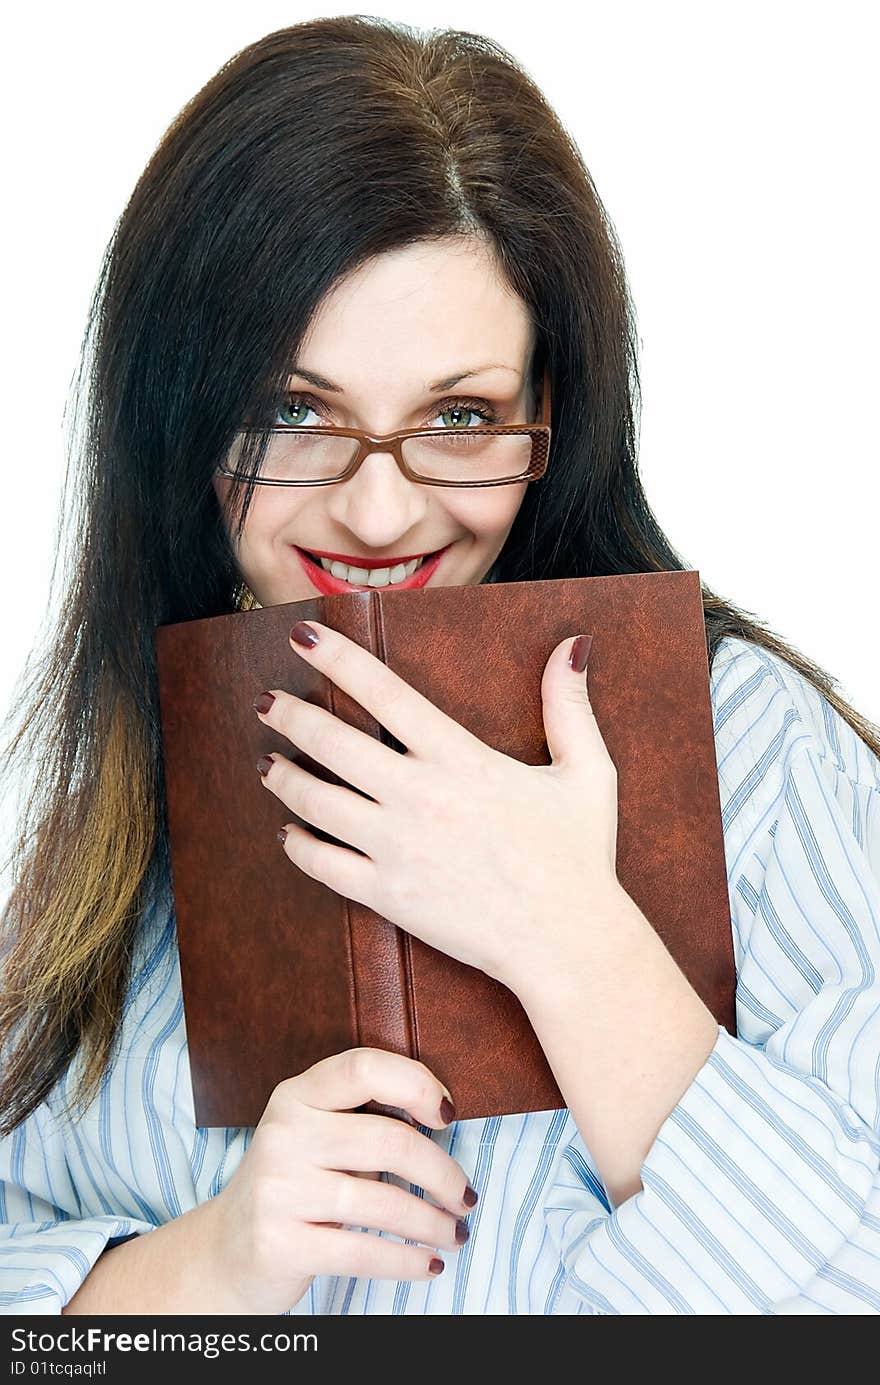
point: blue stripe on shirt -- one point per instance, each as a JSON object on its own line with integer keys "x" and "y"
{"x": 761, "y": 1190}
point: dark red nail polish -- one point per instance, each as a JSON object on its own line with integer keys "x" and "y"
{"x": 282, "y": 835}
{"x": 263, "y": 702}
{"x": 264, "y": 764}
{"x": 470, "y": 1197}
{"x": 447, "y": 1110}
{"x": 462, "y": 1231}
{"x": 304, "y": 634}
{"x": 580, "y": 653}
{"x": 436, "y": 1266}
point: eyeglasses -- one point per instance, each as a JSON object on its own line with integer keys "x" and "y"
{"x": 494, "y": 455}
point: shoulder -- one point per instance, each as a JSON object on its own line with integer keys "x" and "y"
{"x": 780, "y": 743}
{"x": 758, "y": 693}
{"x": 766, "y": 717}
{"x": 800, "y": 803}
{"x": 800, "y": 807}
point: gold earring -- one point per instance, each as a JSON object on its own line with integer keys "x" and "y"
{"x": 247, "y": 601}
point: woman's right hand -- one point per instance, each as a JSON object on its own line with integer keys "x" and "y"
{"x": 312, "y": 1168}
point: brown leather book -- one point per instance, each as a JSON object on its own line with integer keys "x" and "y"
{"x": 279, "y": 971}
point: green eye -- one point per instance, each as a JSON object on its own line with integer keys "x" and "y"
{"x": 459, "y": 413}
{"x": 293, "y": 406}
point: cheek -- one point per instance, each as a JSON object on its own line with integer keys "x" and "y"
{"x": 268, "y": 518}
{"x": 491, "y": 515}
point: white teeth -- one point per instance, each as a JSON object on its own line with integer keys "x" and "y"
{"x": 371, "y": 577}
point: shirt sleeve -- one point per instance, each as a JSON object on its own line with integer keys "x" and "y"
{"x": 46, "y": 1248}
{"x": 761, "y": 1191}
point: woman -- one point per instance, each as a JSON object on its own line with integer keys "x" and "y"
{"x": 352, "y": 224}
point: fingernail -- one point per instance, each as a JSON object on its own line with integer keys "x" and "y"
{"x": 264, "y": 764}
{"x": 263, "y": 702}
{"x": 282, "y": 835}
{"x": 436, "y": 1266}
{"x": 304, "y": 634}
{"x": 462, "y": 1231}
{"x": 580, "y": 653}
{"x": 447, "y": 1110}
{"x": 469, "y": 1197}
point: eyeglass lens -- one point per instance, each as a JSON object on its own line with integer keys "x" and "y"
{"x": 456, "y": 455}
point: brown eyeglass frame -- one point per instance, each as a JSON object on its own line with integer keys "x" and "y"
{"x": 391, "y": 442}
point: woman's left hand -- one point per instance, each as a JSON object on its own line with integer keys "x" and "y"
{"x": 477, "y": 854}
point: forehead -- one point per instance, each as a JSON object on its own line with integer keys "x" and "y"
{"x": 431, "y": 309}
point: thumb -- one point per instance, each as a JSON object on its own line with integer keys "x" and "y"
{"x": 570, "y": 727}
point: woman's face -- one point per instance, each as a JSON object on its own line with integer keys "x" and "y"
{"x": 383, "y": 337}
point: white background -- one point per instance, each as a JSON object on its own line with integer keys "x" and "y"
{"x": 734, "y": 147}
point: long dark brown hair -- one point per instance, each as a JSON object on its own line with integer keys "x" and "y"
{"x": 309, "y": 152}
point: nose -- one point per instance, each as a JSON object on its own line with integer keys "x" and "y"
{"x": 379, "y": 503}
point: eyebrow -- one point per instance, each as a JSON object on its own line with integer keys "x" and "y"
{"x": 322, "y": 383}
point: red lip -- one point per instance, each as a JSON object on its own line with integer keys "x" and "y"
{"x": 368, "y": 563}
{"x": 334, "y": 586}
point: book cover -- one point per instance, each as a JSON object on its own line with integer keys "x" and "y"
{"x": 279, "y": 971}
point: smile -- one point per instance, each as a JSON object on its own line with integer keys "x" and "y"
{"x": 410, "y": 575}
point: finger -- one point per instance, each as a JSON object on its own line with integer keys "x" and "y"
{"x": 352, "y": 1173}
{"x": 361, "y": 1142}
{"x": 326, "y": 1250}
{"x": 339, "y": 867}
{"x": 333, "y": 809}
{"x": 336, "y": 1198}
{"x": 346, "y": 1080}
{"x": 570, "y": 725}
{"x": 359, "y": 759}
{"x": 413, "y": 719}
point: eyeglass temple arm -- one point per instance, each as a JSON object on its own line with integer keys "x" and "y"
{"x": 545, "y": 396}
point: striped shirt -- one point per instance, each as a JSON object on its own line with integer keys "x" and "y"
{"x": 761, "y": 1191}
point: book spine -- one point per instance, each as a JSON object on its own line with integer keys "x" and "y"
{"x": 380, "y": 982}
{"x": 378, "y": 949}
